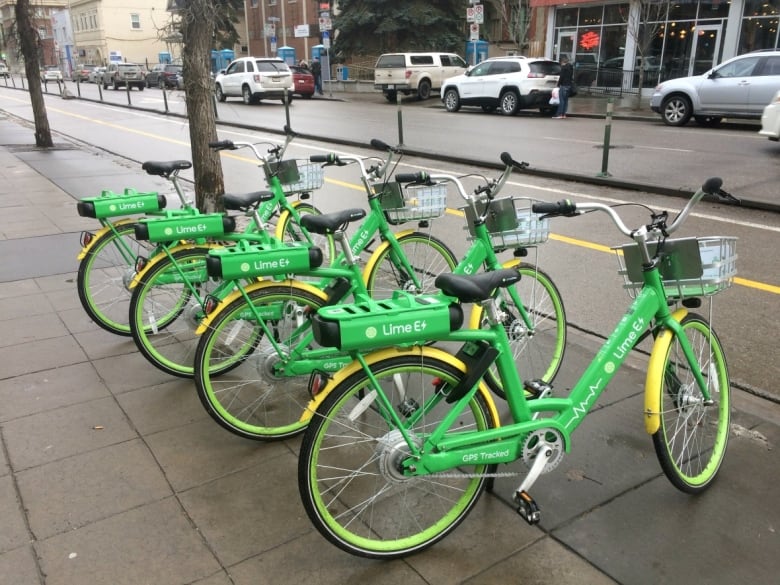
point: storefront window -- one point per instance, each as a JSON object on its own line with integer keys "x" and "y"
{"x": 616, "y": 14}
{"x": 762, "y": 7}
{"x": 591, "y": 16}
{"x": 683, "y": 10}
{"x": 758, "y": 33}
{"x": 566, "y": 17}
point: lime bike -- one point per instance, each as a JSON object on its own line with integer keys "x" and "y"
{"x": 402, "y": 442}
{"x": 107, "y": 260}
{"x": 169, "y": 290}
{"x": 266, "y": 396}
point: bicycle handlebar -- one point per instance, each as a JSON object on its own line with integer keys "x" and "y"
{"x": 373, "y": 173}
{"x": 567, "y": 208}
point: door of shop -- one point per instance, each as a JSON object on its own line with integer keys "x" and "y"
{"x": 705, "y": 50}
{"x": 565, "y": 44}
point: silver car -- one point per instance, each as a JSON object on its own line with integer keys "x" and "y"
{"x": 738, "y": 88}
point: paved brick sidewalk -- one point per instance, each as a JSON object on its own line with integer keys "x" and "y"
{"x": 112, "y": 473}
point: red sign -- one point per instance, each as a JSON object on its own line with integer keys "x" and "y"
{"x": 589, "y": 40}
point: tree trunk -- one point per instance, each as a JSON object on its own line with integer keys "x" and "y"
{"x": 28, "y": 39}
{"x": 198, "y": 22}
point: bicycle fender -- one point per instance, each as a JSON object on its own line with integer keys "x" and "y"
{"x": 375, "y": 256}
{"x": 206, "y": 323}
{"x": 655, "y": 375}
{"x": 160, "y": 257}
{"x": 476, "y": 311}
{"x": 386, "y": 353}
{"x": 98, "y": 234}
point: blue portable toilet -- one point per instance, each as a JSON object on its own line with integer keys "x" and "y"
{"x": 164, "y": 57}
{"x": 478, "y": 49}
{"x": 287, "y": 54}
{"x": 317, "y": 51}
{"x": 221, "y": 59}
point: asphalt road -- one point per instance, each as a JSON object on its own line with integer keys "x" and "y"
{"x": 578, "y": 255}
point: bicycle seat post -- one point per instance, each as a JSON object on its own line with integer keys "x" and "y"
{"x": 174, "y": 178}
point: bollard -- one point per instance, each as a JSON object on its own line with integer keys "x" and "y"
{"x": 127, "y": 87}
{"x": 607, "y": 132}
{"x": 165, "y": 99}
{"x": 287, "y": 106}
{"x": 400, "y": 119}
{"x": 214, "y": 101}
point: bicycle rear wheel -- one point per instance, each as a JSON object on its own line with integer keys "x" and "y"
{"x": 104, "y": 275}
{"x": 428, "y": 257}
{"x": 691, "y": 440}
{"x": 166, "y": 308}
{"x": 539, "y": 352}
{"x": 254, "y": 400}
{"x": 348, "y": 472}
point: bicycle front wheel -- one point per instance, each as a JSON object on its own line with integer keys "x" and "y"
{"x": 104, "y": 275}
{"x": 427, "y": 256}
{"x": 256, "y": 399}
{"x": 538, "y": 350}
{"x": 166, "y": 308}
{"x": 349, "y": 466}
{"x": 691, "y": 440}
{"x": 290, "y": 231}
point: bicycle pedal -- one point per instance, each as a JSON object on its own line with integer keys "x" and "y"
{"x": 527, "y": 507}
{"x": 537, "y": 389}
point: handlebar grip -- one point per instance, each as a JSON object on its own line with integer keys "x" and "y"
{"x": 420, "y": 177}
{"x": 222, "y": 145}
{"x": 329, "y": 158}
{"x": 712, "y": 185}
{"x": 507, "y": 159}
{"x": 378, "y": 144}
{"x": 564, "y": 207}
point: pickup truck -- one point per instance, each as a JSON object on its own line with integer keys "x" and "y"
{"x": 124, "y": 75}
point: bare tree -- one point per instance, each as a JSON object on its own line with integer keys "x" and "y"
{"x": 515, "y": 20}
{"x": 650, "y": 19}
{"x": 197, "y": 26}
{"x": 28, "y": 41}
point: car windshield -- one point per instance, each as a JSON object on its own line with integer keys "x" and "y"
{"x": 272, "y": 67}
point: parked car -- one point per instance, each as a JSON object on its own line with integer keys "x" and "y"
{"x": 254, "y": 79}
{"x": 303, "y": 81}
{"x": 770, "y": 119}
{"x": 164, "y": 75}
{"x": 4, "y": 70}
{"x": 96, "y": 75}
{"x": 81, "y": 72}
{"x": 415, "y": 73}
{"x": 738, "y": 88}
{"x": 51, "y": 73}
{"x": 508, "y": 84}
{"x": 612, "y": 70}
{"x": 124, "y": 75}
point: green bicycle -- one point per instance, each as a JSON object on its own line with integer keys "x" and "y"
{"x": 403, "y": 441}
{"x": 265, "y": 398}
{"x": 169, "y": 291}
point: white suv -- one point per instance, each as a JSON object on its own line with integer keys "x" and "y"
{"x": 508, "y": 84}
{"x": 738, "y": 88}
{"x": 254, "y": 79}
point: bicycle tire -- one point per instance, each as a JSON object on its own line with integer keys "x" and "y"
{"x": 104, "y": 275}
{"x": 289, "y": 231}
{"x": 249, "y": 400}
{"x": 692, "y": 437}
{"x": 348, "y": 477}
{"x": 538, "y": 356}
{"x": 164, "y": 313}
{"x": 427, "y": 255}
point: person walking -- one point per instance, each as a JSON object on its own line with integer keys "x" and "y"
{"x": 565, "y": 81}
{"x": 316, "y": 71}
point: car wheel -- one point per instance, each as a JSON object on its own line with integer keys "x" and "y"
{"x": 246, "y": 94}
{"x": 161, "y": 84}
{"x": 424, "y": 90}
{"x": 307, "y": 95}
{"x": 116, "y": 85}
{"x": 509, "y": 103}
{"x": 451, "y": 100}
{"x": 140, "y": 86}
{"x": 220, "y": 96}
{"x": 709, "y": 121}
{"x": 488, "y": 109}
{"x": 390, "y": 96}
{"x": 105, "y": 85}
{"x": 676, "y": 110}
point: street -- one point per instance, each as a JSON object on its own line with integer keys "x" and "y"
{"x": 578, "y": 255}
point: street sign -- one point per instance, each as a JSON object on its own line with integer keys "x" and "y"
{"x": 325, "y": 23}
{"x": 273, "y": 44}
{"x": 479, "y": 13}
{"x": 301, "y": 30}
{"x": 470, "y": 14}
{"x": 326, "y": 39}
{"x": 474, "y": 29}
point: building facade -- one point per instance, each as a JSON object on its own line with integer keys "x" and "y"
{"x": 42, "y": 19}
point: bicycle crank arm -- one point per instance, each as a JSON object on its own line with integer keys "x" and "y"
{"x": 527, "y": 507}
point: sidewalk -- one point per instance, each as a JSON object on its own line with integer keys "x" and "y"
{"x": 112, "y": 473}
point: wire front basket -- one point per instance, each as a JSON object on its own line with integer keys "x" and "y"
{"x": 297, "y": 176}
{"x": 510, "y": 226}
{"x": 690, "y": 267}
{"x": 413, "y": 202}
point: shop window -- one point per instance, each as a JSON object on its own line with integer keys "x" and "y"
{"x": 762, "y": 7}
{"x": 566, "y": 17}
{"x": 616, "y": 14}
{"x": 591, "y": 16}
{"x": 683, "y": 10}
{"x": 758, "y": 33}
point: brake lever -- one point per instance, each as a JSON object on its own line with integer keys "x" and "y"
{"x": 727, "y": 197}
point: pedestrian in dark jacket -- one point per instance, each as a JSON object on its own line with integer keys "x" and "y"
{"x": 316, "y": 71}
{"x": 565, "y": 81}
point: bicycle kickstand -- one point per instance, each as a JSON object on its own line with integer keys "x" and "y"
{"x": 527, "y": 507}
